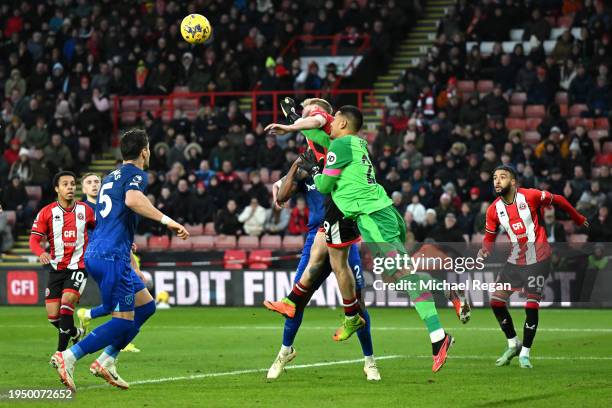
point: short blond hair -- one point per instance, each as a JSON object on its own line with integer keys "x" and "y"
{"x": 90, "y": 174}
{"x": 319, "y": 102}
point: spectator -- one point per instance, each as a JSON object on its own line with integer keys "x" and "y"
{"x": 598, "y": 99}
{"x": 580, "y": 87}
{"x": 246, "y": 160}
{"x": 553, "y": 120}
{"x": 253, "y": 218}
{"x": 258, "y": 190}
{"x": 193, "y": 156}
{"x": 38, "y": 137}
{"x": 15, "y": 82}
{"x": 416, "y": 209}
{"x": 591, "y": 200}
{"x": 495, "y": 105}
{"x": 567, "y": 74}
{"x": 6, "y": 235}
{"x": 472, "y": 114}
{"x": 270, "y": 155}
{"x": 277, "y": 220}
{"x": 203, "y": 204}
{"x": 554, "y": 231}
{"x": 448, "y": 232}
{"x": 177, "y": 152}
{"x": 160, "y": 81}
{"x": 15, "y": 198}
{"x": 563, "y": 47}
{"x": 542, "y": 92}
{"x": 226, "y": 220}
{"x": 57, "y": 154}
{"x": 465, "y": 220}
{"x": 221, "y": 153}
{"x": 505, "y": 75}
{"x": 298, "y": 223}
{"x": 600, "y": 229}
{"x": 183, "y": 203}
{"x": 431, "y": 222}
{"x": 537, "y": 27}
{"x": 159, "y": 159}
{"x": 11, "y": 155}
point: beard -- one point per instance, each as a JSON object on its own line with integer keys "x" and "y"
{"x": 503, "y": 191}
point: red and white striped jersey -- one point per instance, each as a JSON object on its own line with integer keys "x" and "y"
{"x": 66, "y": 231}
{"x": 320, "y": 151}
{"x": 520, "y": 220}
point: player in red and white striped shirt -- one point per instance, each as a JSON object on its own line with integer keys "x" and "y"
{"x": 517, "y": 211}
{"x": 64, "y": 223}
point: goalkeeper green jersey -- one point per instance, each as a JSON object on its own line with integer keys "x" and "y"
{"x": 356, "y": 191}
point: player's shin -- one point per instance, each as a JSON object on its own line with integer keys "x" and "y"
{"x": 66, "y": 325}
{"x": 532, "y": 307}
{"x": 100, "y": 337}
{"x": 500, "y": 309}
{"x": 364, "y": 335}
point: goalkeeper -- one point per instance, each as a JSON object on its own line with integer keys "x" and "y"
{"x": 349, "y": 176}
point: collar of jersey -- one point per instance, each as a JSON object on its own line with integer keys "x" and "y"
{"x": 65, "y": 210}
{"x": 513, "y": 199}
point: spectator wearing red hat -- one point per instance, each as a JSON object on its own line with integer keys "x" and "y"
{"x": 11, "y": 155}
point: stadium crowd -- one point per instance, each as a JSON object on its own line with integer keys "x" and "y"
{"x": 62, "y": 60}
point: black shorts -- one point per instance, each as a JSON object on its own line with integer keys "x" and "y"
{"x": 528, "y": 278}
{"x": 73, "y": 281}
{"x": 339, "y": 231}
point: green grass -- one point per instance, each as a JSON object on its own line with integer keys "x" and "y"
{"x": 572, "y": 360}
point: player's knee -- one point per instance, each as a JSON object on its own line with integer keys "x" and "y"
{"x": 533, "y": 302}
{"x": 498, "y": 301}
{"x": 53, "y": 320}
{"x": 67, "y": 306}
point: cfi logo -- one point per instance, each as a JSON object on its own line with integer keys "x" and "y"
{"x": 331, "y": 158}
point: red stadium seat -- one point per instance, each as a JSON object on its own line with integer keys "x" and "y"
{"x": 597, "y": 134}
{"x": 130, "y": 105}
{"x": 603, "y": 159}
{"x": 128, "y": 118}
{"x": 209, "y": 228}
{"x": 11, "y": 217}
{"x": 532, "y": 137}
{"x": 535, "y": 111}
{"x": 533, "y": 123}
{"x": 602, "y": 123}
{"x": 607, "y": 148}
{"x": 225, "y": 242}
{"x": 270, "y": 242}
{"x": 150, "y": 105}
{"x": 293, "y": 242}
{"x": 195, "y": 230}
{"x": 484, "y": 86}
{"x": 259, "y": 259}
{"x": 561, "y": 98}
{"x": 191, "y": 114}
{"x": 512, "y": 123}
{"x": 516, "y": 111}
{"x": 248, "y": 242}
{"x": 203, "y": 242}
{"x": 466, "y": 86}
{"x": 577, "y": 109}
{"x": 159, "y": 243}
{"x": 141, "y": 242}
{"x": 518, "y": 98}
{"x": 588, "y": 123}
{"x": 34, "y": 192}
{"x": 180, "y": 244}
{"x": 234, "y": 259}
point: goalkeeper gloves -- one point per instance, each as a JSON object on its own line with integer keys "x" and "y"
{"x": 310, "y": 164}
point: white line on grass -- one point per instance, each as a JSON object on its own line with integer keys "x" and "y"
{"x": 333, "y": 363}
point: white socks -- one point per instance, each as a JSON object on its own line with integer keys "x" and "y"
{"x": 437, "y": 335}
{"x": 69, "y": 358}
{"x": 102, "y": 359}
{"x": 369, "y": 360}
{"x": 513, "y": 342}
{"x": 525, "y": 352}
{"x": 286, "y": 350}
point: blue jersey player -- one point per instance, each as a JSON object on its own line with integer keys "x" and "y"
{"x": 121, "y": 201}
{"x": 315, "y": 261}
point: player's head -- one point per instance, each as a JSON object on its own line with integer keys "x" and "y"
{"x": 65, "y": 185}
{"x": 312, "y": 103}
{"x": 135, "y": 147}
{"x": 504, "y": 180}
{"x": 347, "y": 121}
{"x": 90, "y": 183}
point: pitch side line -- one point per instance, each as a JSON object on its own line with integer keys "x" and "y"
{"x": 331, "y": 363}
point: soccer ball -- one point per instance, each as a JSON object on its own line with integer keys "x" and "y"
{"x": 195, "y": 29}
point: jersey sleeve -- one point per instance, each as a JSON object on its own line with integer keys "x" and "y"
{"x": 136, "y": 182}
{"x": 492, "y": 221}
{"x": 326, "y": 116}
{"x": 539, "y": 198}
{"x": 90, "y": 217}
{"x": 339, "y": 155}
{"x": 41, "y": 223}
{"x": 317, "y": 136}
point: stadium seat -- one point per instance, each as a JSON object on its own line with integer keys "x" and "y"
{"x": 248, "y": 242}
{"x": 203, "y": 242}
{"x": 597, "y": 134}
{"x": 603, "y": 159}
{"x": 130, "y": 105}
{"x": 128, "y": 118}
{"x": 11, "y": 217}
{"x": 518, "y": 98}
{"x": 234, "y": 259}
{"x": 533, "y": 123}
{"x": 209, "y": 228}
{"x": 275, "y": 176}
{"x": 514, "y": 123}
{"x": 225, "y": 242}
{"x": 141, "y": 242}
{"x": 180, "y": 244}
{"x": 602, "y": 123}
{"x": 34, "y": 192}
{"x": 561, "y": 97}
{"x": 270, "y": 242}
{"x": 516, "y": 34}
{"x": 259, "y": 259}
{"x": 588, "y": 123}
{"x": 159, "y": 243}
{"x": 577, "y": 239}
{"x": 516, "y": 111}
{"x": 194, "y": 230}
{"x": 577, "y": 109}
{"x": 484, "y": 86}
{"x": 535, "y": 111}
{"x": 293, "y": 242}
{"x": 150, "y": 105}
{"x": 181, "y": 89}
{"x": 532, "y": 137}
{"x": 607, "y": 148}
{"x": 191, "y": 114}
{"x": 466, "y": 86}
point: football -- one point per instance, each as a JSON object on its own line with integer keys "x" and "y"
{"x": 195, "y": 29}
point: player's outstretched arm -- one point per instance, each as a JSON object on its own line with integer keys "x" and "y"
{"x": 561, "y": 202}
{"x": 141, "y": 205}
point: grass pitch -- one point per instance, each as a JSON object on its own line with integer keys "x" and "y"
{"x": 218, "y": 357}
